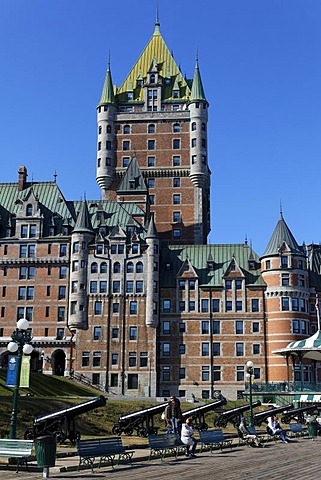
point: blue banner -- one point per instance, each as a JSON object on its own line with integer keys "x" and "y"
{"x": 12, "y": 371}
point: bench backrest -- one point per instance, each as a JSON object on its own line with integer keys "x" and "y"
{"x": 15, "y": 445}
{"x": 164, "y": 440}
{"x": 212, "y": 435}
{"x": 100, "y": 445}
{"x": 295, "y": 427}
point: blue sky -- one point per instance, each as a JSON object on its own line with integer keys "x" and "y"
{"x": 261, "y": 70}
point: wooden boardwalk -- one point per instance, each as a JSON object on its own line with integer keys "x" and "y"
{"x": 277, "y": 461}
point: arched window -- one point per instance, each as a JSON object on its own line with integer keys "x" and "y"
{"x": 126, "y": 129}
{"x": 139, "y": 267}
{"x": 29, "y": 210}
{"x": 99, "y": 129}
{"x": 108, "y": 129}
{"x": 176, "y": 127}
{"x": 130, "y": 267}
{"x": 94, "y": 267}
{"x": 194, "y": 126}
{"x": 152, "y": 78}
{"x": 116, "y": 268}
{"x": 151, "y": 128}
{"x": 203, "y": 127}
{"x": 103, "y": 267}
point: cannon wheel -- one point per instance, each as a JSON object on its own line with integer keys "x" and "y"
{"x": 142, "y": 432}
{"x": 29, "y": 435}
{"x": 128, "y": 431}
{"x": 220, "y": 423}
{"x": 116, "y": 430}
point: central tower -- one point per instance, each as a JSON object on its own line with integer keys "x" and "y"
{"x": 159, "y": 117}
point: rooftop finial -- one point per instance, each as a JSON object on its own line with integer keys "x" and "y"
{"x": 55, "y": 176}
{"x": 281, "y": 212}
{"x": 157, "y": 23}
{"x": 108, "y": 59}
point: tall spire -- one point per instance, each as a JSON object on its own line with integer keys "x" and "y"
{"x": 107, "y": 95}
{"x": 197, "y": 92}
{"x": 83, "y": 222}
{"x": 282, "y": 234}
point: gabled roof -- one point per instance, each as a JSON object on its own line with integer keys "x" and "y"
{"x": 174, "y": 256}
{"x": 282, "y": 239}
{"x": 133, "y": 180}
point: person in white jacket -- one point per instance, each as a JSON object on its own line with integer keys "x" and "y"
{"x": 274, "y": 426}
{"x": 187, "y": 437}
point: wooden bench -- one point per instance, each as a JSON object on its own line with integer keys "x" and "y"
{"x": 163, "y": 444}
{"x": 211, "y": 439}
{"x": 19, "y": 449}
{"x": 243, "y": 440}
{"x": 106, "y": 449}
{"x": 296, "y": 430}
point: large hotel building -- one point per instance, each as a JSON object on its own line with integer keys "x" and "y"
{"x": 124, "y": 290}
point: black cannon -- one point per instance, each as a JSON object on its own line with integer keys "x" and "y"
{"x": 141, "y": 420}
{"x": 233, "y": 415}
{"x": 61, "y": 423}
{"x": 198, "y": 413}
{"x": 261, "y": 417}
{"x": 297, "y": 414}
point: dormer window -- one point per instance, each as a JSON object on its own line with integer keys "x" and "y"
{"x": 130, "y": 95}
{"x": 152, "y": 78}
{"x": 175, "y": 93}
{"x": 139, "y": 83}
{"x": 167, "y": 81}
{"x": 29, "y": 210}
{"x": 251, "y": 265}
{"x": 284, "y": 262}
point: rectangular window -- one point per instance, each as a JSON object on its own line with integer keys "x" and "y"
{"x": 132, "y": 360}
{"x": 166, "y": 327}
{"x": 216, "y": 327}
{"x": 205, "y": 373}
{"x": 103, "y": 286}
{"x": 238, "y": 284}
{"x": 129, "y": 286}
{"x": 143, "y": 359}
{"x": 182, "y": 327}
{"x": 61, "y": 314}
{"x": 176, "y": 144}
{"x": 96, "y": 359}
{"x": 114, "y": 379}
{"x": 205, "y": 327}
{"x": 228, "y": 305}
{"x": 151, "y": 161}
{"x": 114, "y": 359}
{"x": 285, "y": 303}
{"x": 256, "y": 349}
{"x": 191, "y": 306}
{"x": 240, "y": 373}
{"x": 126, "y": 145}
{"x": 204, "y": 305}
{"x": 63, "y": 272}
{"x": 176, "y": 182}
{"x": 255, "y": 327}
{"x": 132, "y": 333}
{"x": 132, "y": 383}
{"x": 239, "y": 327}
{"x": 285, "y": 279}
{"x": 216, "y": 349}
{"x": 97, "y": 333}
{"x": 98, "y": 308}
{"x": 239, "y": 305}
{"x": 114, "y": 333}
{"x": 115, "y": 307}
{"x": 61, "y": 292}
{"x": 116, "y": 286}
{"x": 133, "y": 308}
{"x": 182, "y": 373}
{"x": 216, "y": 373}
{"x": 166, "y": 349}
{"x": 166, "y": 306}
{"x": 151, "y": 144}
{"x": 176, "y": 160}
{"x": 255, "y": 304}
{"x": 239, "y": 349}
{"x": 176, "y": 199}
{"x": 181, "y": 348}
{"x": 284, "y": 262}
{"x": 85, "y": 359}
{"x": 205, "y": 349}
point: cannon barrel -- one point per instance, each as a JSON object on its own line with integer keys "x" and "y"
{"x": 72, "y": 411}
{"x": 260, "y": 417}
{"x": 296, "y": 412}
{"x": 145, "y": 411}
{"x": 243, "y": 408}
{"x": 204, "y": 408}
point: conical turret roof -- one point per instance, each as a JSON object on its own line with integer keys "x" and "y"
{"x": 83, "y": 222}
{"x": 197, "y": 92}
{"x": 282, "y": 235}
{"x": 133, "y": 180}
{"x": 107, "y": 95}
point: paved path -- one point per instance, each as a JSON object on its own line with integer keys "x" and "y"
{"x": 299, "y": 459}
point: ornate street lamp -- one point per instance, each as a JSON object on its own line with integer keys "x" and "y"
{"x": 21, "y": 339}
{"x": 249, "y": 375}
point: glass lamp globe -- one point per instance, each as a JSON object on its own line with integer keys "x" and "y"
{"x": 248, "y": 376}
{"x": 23, "y": 324}
{"x": 249, "y": 364}
{"x": 12, "y": 347}
{"x": 27, "y": 349}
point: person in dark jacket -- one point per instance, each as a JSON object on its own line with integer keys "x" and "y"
{"x": 173, "y": 414}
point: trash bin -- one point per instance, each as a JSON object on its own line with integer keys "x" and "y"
{"x": 46, "y": 447}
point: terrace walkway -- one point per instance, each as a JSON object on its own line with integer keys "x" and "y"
{"x": 298, "y": 459}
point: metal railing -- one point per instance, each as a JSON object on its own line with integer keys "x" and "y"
{"x": 284, "y": 387}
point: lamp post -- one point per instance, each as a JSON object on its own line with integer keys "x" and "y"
{"x": 249, "y": 375}
{"x": 21, "y": 339}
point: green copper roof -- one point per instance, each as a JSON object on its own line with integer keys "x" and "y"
{"x": 199, "y": 255}
{"x": 107, "y": 95}
{"x": 133, "y": 181}
{"x": 282, "y": 235}
{"x": 155, "y": 51}
{"x": 83, "y": 223}
{"x": 197, "y": 92}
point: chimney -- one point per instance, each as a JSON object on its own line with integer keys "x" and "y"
{"x": 22, "y": 178}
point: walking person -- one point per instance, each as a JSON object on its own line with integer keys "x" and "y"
{"x": 173, "y": 414}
